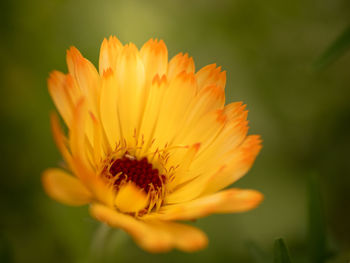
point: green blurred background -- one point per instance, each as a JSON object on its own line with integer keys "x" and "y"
{"x": 267, "y": 48}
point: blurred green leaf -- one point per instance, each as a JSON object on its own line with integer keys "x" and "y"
{"x": 334, "y": 51}
{"x": 5, "y": 251}
{"x": 281, "y": 254}
{"x": 317, "y": 233}
{"x": 258, "y": 255}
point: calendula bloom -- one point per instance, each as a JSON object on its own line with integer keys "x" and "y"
{"x": 150, "y": 143}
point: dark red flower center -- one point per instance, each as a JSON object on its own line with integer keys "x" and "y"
{"x": 140, "y": 172}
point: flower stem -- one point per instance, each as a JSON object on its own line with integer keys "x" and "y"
{"x": 98, "y": 242}
{"x": 106, "y": 244}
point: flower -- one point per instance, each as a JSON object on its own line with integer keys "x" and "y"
{"x": 150, "y": 143}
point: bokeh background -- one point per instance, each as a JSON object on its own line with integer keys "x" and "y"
{"x": 267, "y": 48}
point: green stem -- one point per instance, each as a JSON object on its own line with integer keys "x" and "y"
{"x": 106, "y": 244}
{"x": 99, "y": 242}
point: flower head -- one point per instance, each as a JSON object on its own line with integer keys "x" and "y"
{"x": 150, "y": 142}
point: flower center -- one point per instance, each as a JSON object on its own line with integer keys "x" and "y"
{"x": 140, "y": 172}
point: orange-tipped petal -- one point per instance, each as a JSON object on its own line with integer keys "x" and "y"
{"x": 211, "y": 75}
{"x": 207, "y": 177}
{"x": 177, "y": 98}
{"x": 179, "y": 63}
{"x": 231, "y": 136}
{"x": 235, "y": 110}
{"x": 86, "y": 77}
{"x": 228, "y": 201}
{"x": 213, "y": 98}
{"x": 205, "y": 130}
{"x": 58, "y": 92}
{"x": 130, "y": 74}
{"x": 154, "y": 55}
{"x": 65, "y": 188}
{"x": 152, "y": 110}
{"x": 221, "y": 150}
{"x": 239, "y": 162}
{"x": 109, "y": 52}
{"x": 208, "y": 99}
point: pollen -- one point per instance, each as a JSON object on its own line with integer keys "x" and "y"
{"x": 140, "y": 172}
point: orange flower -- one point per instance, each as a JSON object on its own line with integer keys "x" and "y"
{"x": 150, "y": 142}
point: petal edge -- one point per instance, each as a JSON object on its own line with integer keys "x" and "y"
{"x": 65, "y": 188}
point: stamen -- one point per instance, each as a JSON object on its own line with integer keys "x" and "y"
{"x": 140, "y": 172}
{"x": 148, "y": 170}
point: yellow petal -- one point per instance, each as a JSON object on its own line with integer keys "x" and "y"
{"x": 177, "y": 97}
{"x": 58, "y": 92}
{"x": 209, "y": 99}
{"x": 60, "y": 139}
{"x": 221, "y": 151}
{"x": 131, "y": 199}
{"x": 180, "y": 63}
{"x": 139, "y": 231}
{"x": 130, "y": 75}
{"x": 183, "y": 158}
{"x": 184, "y": 237}
{"x": 109, "y": 52}
{"x": 86, "y": 77}
{"x": 211, "y": 75}
{"x": 227, "y": 140}
{"x": 82, "y": 129}
{"x": 228, "y": 201}
{"x": 65, "y": 188}
{"x": 109, "y": 109}
{"x": 206, "y": 176}
{"x": 153, "y": 236}
{"x": 81, "y": 132}
{"x": 211, "y": 177}
{"x": 154, "y": 55}
{"x": 79, "y": 167}
{"x": 101, "y": 191}
{"x": 204, "y": 133}
{"x": 239, "y": 163}
{"x": 99, "y": 145}
{"x": 77, "y": 137}
{"x": 152, "y": 111}
{"x": 205, "y": 129}
{"x": 235, "y": 109}
{"x": 191, "y": 189}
